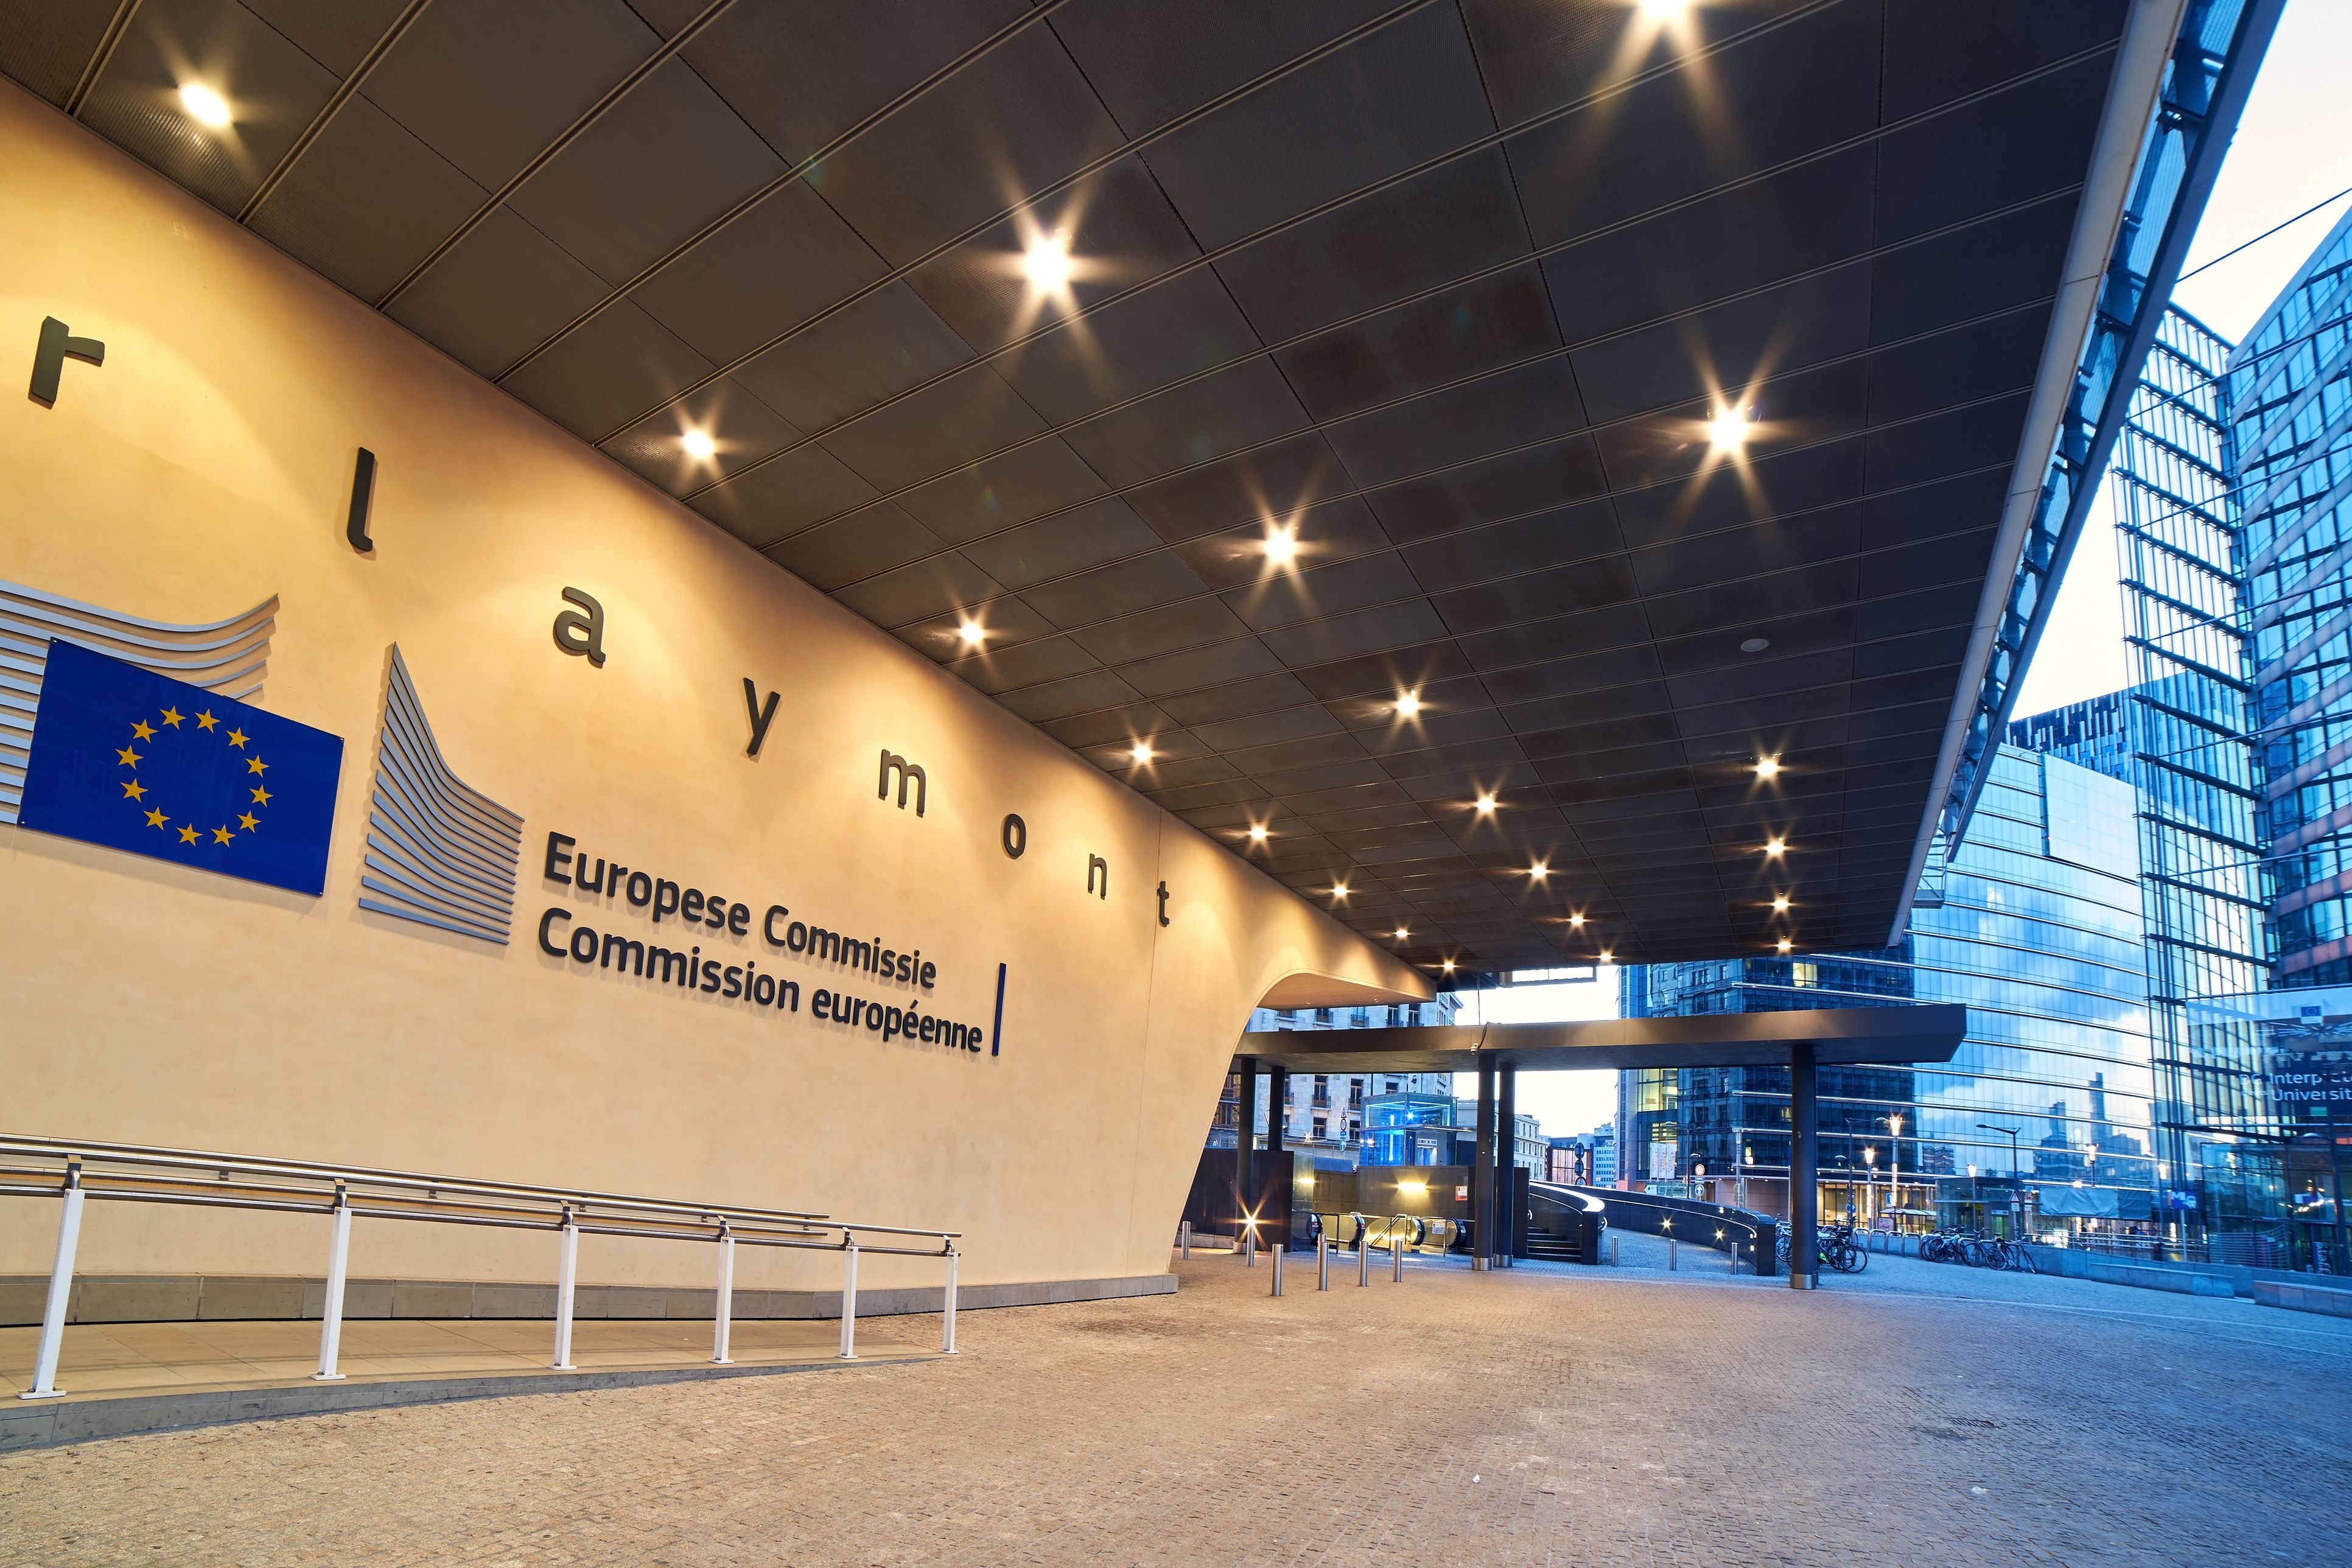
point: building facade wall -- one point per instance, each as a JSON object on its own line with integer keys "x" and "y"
{"x": 207, "y": 465}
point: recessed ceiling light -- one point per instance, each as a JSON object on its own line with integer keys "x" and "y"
{"x": 1338, "y": 890}
{"x": 1408, "y": 705}
{"x": 1046, "y": 265}
{"x": 1401, "y": 933}
{"x": 205, "y": 104}
{"x": 1485, "y": 803}
{"x": 1576, "y": 919}
{"x": 1785, "y": 944}
{"x": 1666, "y": 10}
{"x": 1756, "y": 645}
{"x": 699, "y": 445}
{"x": 1538, "y": 870}
{"x": 1774, "y": 846}
{"x": 1608, "y": 955}
{"x": 1780, "y": 905}
{"x": 973, "y": 633}
{"x": 1143, "y": 750}
{"x": 1729, "y": 429}
{"x": 1281, "y": 546}
{"x": 1767, "y": 768}
{"x": 1257, "y": 832}
{"x": 1449, "y": 966}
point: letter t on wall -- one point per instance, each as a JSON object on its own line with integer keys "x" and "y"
{"x": 58, "y": 344}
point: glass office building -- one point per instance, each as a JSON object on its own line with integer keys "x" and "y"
{"x": 2046, "y": 1116}
{"x": 2182, "y": 735}
{"x": 2290, "y": 405}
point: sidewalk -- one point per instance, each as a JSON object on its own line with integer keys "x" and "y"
{"x": 128, "y": 1377}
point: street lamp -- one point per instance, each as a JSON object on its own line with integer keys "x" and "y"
{"x": 2016, "y": 1204}
{"x": 1894, "y": 1125}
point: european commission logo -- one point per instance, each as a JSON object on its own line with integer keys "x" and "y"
{"x": 132, "y": 759}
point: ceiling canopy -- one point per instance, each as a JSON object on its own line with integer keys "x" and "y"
{"x": 1501, "y": 466}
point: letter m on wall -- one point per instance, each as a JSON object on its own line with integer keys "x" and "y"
{"x": 908, "y": 773}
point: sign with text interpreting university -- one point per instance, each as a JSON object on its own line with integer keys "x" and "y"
{"x": 753, "y": 952}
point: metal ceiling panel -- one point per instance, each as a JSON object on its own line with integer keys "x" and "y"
{"x": 1446, "y": 294}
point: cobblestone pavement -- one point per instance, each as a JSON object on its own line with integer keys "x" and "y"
{"x": 1921, "y": 1415}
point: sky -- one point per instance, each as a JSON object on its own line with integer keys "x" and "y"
{"x": 2294, "y": 148}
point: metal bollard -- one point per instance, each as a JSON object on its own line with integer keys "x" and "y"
{"x": 567, "y": 1275}
{"x": 1275, "y": 1254}
{"x": 1363, "y": 1257}
{"x": 1396, "y": 1253}
{"x": 331, "y": 1315}
{"x": 947, "y": 1317}
{"x": 1612, "y": 1252}
{"x": 53, "y": 1314}
{"x": 1735, "y": 1257}
{"x": 722, "y": 1325}
{"x": 848, "y": 1297}
{"x": 1249, "y": 1248}
{"x": 1671, "y": 1244}
{"x": 1322, "y": 1263}
{"x": 1184, "y": 1240}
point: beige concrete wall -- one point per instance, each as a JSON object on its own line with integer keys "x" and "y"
{"x": 206, "y": 466}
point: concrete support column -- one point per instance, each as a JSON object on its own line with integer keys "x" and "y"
{"x": 1804, "y": 1174}
{"x": 1482, "y": 1171}
{"x": 1244, "y": 1135}
{"x": 1506, "y": 1158}
{"x": 1275, "y": 1225}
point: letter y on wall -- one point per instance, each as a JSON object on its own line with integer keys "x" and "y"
{"x": 761, "y": 717}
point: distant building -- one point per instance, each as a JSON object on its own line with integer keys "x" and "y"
{"x": 1324, "y": 1114}
{"x": 1605, "y": 1155}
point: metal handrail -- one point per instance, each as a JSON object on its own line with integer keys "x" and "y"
{"x": 133, "y": 1172}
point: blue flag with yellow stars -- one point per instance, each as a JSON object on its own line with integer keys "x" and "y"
{"x": 136, "y": 760}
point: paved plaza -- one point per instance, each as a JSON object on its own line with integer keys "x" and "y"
{"x": 1919, "y": 1415}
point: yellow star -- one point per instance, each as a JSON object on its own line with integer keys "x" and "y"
{"x": 220, "y": 836}
{"x": 237, "y": 739}
{"x": 255, "y": 765}
{"x": 260, "y": 795}
{"x": 156, "y": 819}
{"x": 187, "y": 836}
{"x": 134, "y": 790}
{"x": 143, "y": 731}
{"x": 205, "y": 720}
{"x": 129, "y": 757}
{"x": 172, "y": 717}
{"x": 247, "y": 822}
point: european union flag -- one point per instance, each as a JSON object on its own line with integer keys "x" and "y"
{"x": 136, "y": 760}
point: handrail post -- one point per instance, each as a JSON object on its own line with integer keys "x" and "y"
{"x": 848, "y": 1297}
{"x": 53, "y": 1315}
{"x": 947, "y": 1314}
{"x": 566, "y": 1276}
{"x": 724, "y": 1322}
{"x": 330, "y": 1313}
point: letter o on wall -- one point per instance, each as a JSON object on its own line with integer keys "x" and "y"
{"x": 579, "y": 936}
{"x": 1016, "y": 836}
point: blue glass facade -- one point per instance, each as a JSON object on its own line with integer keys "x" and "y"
{"x": 2181, "y": 734}
{"x": 2290, "y": 402}
{"x": 2041, "y": 931}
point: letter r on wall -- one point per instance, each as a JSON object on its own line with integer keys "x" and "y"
{"x": 57, "y": 345}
